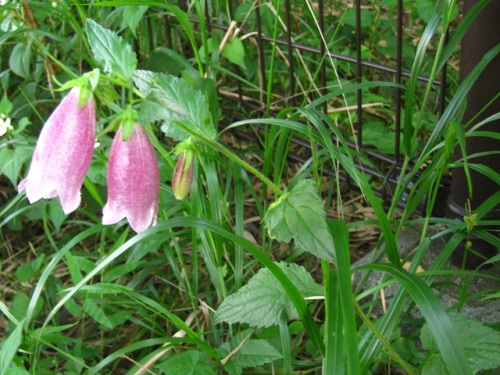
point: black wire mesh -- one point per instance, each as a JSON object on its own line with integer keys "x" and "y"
{"x": 387, "y": 174}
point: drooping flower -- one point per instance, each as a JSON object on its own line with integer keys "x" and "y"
{"x": 183, "y": 174}
{"x": 133, "y": 181}
{"x": 63, "y": 153}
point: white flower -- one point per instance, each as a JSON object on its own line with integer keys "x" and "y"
{"x": 5, "y": 126}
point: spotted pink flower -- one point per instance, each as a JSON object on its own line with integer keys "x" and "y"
{"x": 63, "y": 153}
{"x": 133, "y": 181}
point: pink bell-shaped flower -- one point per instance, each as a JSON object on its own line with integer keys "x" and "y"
{"x": 63, "y": 153}
{"x": 133, "y": 181}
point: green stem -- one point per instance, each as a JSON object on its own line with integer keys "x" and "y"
{"x": 218, "y": 147}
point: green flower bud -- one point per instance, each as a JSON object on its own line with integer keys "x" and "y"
{"x": 183, "y": 174}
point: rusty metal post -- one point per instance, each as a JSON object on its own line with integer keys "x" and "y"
{"x": 483, "y": 35}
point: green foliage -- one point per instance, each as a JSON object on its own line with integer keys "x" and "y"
{"x": 190, "y": 362}
{"x": 260, "y": 241}
{"x": 234, "y": 51}
{"x": 10, "y": 346}
{"x": 170, "y": 99}
{"x": 481, "y": 346}
{"x": 299, "y": 215}
{"x": 20, "y": 60}
{"x": 112, "y": 52}
{"x": 244, "y": 352}
{"x": 263, "y": 301}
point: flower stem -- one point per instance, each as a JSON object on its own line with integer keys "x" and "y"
{"x": 217, "y": 146}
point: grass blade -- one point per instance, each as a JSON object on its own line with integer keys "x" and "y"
{"x": 444, "y": 333}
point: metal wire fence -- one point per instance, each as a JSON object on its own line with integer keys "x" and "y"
{"x": 392, "y": 71}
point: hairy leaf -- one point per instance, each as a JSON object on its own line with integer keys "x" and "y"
{"x": 247, "y": 353}
{"x": 170, "y": 99}
{"x": 263, "y": 302}
{"x": 299, "y": 215}
{"x": 481, "y": 343}
{"x": 111, "y": 51}
{"x": 191, "y": 362}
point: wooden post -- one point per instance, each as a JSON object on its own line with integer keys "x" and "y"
{"x": 483, "y": 35}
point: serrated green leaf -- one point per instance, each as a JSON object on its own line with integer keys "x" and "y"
{"x": 169, "y": 99}
{"x": 111, "y": 51}
{"x": 299, "y": 214}
{"x": 254, "y": 353}
{"x": 263, "y": 302}
{"x": 191, "y": 362}
{"x": 247, "y": 353}
{"x": 481, "y": 343}
{"x": 10, "y": 346}
{"x": 234, "y": 51}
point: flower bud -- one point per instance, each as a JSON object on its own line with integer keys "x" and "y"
{"x": 183, "y": 174}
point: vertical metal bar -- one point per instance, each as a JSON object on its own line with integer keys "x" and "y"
{"x": 399, "y": 63}
{"x": 168, "y": 32}
{"x": 207, "y": 17}
{"x": 260, "y": 47}
{"x": 442, "y": 92}
{"x": 230, "y": 9}
{"x": 321, "y": 21}
{"x": 393, "y": 171}
{"x": 359, "y": 98}
{"x": 291, "y": 72}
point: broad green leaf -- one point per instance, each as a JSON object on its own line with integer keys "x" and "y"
{"x": 350, "y": 17}
{"x": 434, "y": 365}
{"x": 111, "y": 51}
{"x": 427, "y": 8}
{"x": 56, "y": 215}
{"x": 10, "y": 346}
{"x": 481, "y": 343}
{"x": 13, "y": 159}
{"x": 170, "y": 99}
{"x": 249, "y": 353}
{"x": 191, "y": 362}
{"x": 263, "y": 302}
{"x": 5, "y": 106}
{"x": 132, "y": 15}
{"x": 234, "y": 51}
{"x": 17, "y": 371}
{"x": 20, "y": 59}
{"x": 299, "y": 214}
